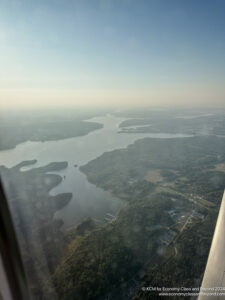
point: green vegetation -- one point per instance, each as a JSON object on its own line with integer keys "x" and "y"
{"x": 187, "y": 267}
{"x": 22, "y": 128}
{"x": 119, "y": 171}
{"x": 104, "y": 260}
{"x": 169, "y": 122}
{"x": 189, "y": 208}
{"x": 135, "y": 122}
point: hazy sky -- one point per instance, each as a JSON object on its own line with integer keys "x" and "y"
{"x": 84, "y": 52}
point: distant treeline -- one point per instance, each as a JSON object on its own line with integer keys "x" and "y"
{"x": 19, "y": 128}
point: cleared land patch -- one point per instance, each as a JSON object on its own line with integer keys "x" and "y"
{"x": 154, "y": 176}
{"x": 220, "y": 167}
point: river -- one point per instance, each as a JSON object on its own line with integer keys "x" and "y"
{"x": 88, "y": 200}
